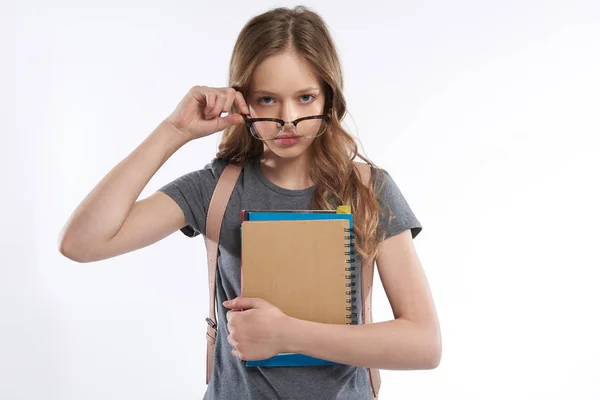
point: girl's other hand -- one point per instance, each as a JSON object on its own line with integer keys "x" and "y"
{"x": 255, "y": 328}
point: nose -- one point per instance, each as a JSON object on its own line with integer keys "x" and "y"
{"x": 288, "y": 112}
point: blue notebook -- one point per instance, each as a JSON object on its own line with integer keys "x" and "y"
{"x": 346, "y": 270}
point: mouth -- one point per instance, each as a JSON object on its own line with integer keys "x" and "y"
{"x": 288, "y": 140}
{"x": 288, "y": 137}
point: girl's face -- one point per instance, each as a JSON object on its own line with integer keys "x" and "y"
{"x": 284, "y": 86}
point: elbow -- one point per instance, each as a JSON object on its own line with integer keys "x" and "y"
{"x": 424, "y": 354}
{"x": 433, "y": 358}
{"x": 427, "y": 358}
{"x": 71, "y": 249}
{"x": 432, "y": 355}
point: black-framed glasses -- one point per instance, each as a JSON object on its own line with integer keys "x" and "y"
{"x": 271, "y": 128}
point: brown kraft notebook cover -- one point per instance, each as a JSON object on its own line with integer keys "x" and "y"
{"x": 299, "y": 266}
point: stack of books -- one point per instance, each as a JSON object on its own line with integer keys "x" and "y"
{"x": 301, "y": 262}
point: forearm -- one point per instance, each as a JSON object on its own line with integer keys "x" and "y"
{"x": 397, "y": 344}
{"x": 101, "y": 214}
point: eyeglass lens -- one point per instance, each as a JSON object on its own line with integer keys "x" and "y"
{"x": 269, "y": 130}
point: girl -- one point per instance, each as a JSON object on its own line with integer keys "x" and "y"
{"x": 284, "y": 67}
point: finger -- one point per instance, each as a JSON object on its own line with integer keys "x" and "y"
{"x": 230, "y": 93}
{"x": 236, "y": 354}
{"x": 242, "y": 303}
{"x": 218, "y": 107}
{"x": 227, "y": 121}
{"x": 241, "y": 103}
{"x": 210, "y": 98}
{"x": 199, "y": 93}
{"x": 231, "y": 341}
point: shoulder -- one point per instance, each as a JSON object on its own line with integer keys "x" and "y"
{"x": 378, "y": 177}
{"x": 382, "y": 180}
{"x": 206, "y": 176}
{"x": 193, "y": 193}
{"x": 218, "y": 165}
{"x": 196, "y": 186}
{"x": 396, "y": 215}
{"x": 213, "y": 170}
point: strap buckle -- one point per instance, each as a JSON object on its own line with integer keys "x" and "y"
{"x": 211, "y": 323}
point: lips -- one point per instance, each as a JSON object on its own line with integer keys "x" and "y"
{"x": 288, "y": 140}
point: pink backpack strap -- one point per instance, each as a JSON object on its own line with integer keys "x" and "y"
{"x": 214, "y": 218}
{"x": 368, "y": 269}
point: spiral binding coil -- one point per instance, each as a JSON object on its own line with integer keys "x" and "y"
{"x": 350, "y": 269}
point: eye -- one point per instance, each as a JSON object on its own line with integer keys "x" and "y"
{"x": 265, "y": 100}
{"x": 306, "y": 98}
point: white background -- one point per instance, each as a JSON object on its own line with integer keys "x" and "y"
{"x": 485, "y": 113}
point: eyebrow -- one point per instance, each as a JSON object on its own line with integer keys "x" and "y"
{"x": 308, "y": 89}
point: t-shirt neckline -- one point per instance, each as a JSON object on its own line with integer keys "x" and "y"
{"x": 255, "y": 164}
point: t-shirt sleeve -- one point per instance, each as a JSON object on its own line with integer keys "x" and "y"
{"x": 395, "y": 215}
{"x": 192, "y": 192}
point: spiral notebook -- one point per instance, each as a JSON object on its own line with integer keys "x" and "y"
{"x": 302, "y": 263}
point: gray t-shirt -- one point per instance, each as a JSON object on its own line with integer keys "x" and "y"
{"x": 231, "y": 379}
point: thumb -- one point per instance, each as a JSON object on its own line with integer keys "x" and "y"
{"x": 229, "y": 120}
{"x": 242, "y": 303}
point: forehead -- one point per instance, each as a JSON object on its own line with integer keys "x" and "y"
{"x": 283, "y": 73}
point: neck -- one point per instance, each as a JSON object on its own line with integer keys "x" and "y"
{"x": 288, "y": 173}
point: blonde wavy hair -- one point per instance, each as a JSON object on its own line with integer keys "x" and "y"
{"x": 332, "y": 170}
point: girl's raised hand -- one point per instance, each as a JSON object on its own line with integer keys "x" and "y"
{"x": 198, "y": 114}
